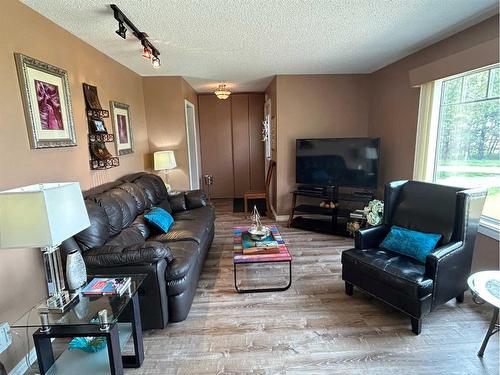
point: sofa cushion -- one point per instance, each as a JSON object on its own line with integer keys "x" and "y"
{"x": 183, "y": 230}
{"x": 127, "y": 236}
{"x": 397, "y": 271}
{"x": 177, "y": 202}
{"x": 195, "y": 199}
{"x": 98, "y": 231}
{"x": 137, "y": 194}
{"x": 205, "y": 214}
{"x": 127, "y": 204}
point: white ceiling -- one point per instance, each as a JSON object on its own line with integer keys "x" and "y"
{"x": 245, "y": 42}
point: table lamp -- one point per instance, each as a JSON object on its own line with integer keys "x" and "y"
{"x": 164, "y": 161}
{"x": 44, "y": 215}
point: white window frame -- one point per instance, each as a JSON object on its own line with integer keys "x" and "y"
{"x": 427, "y": 141}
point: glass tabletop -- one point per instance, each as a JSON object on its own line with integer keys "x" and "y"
{"x": 486, "y": 285}
{"x": 85, "y": 311}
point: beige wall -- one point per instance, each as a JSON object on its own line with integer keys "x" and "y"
{"x": 22, "y": 30}
{"x": 315, "y": 106}
{"x": 166, "y": 122}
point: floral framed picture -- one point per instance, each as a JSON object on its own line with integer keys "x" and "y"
{"x": 47, "y": 103}
{"x": 121, "y": 124}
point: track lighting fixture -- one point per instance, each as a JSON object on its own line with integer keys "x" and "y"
{"x": 122, "y": 30}
{"x": 148, "y": 51}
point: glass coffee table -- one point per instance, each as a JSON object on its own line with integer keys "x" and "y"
{"x": 85, "y": 319}
{"x": 240, "y": 259}
{"x": 485, "y": 287}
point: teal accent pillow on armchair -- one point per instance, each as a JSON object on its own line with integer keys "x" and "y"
{"x": 411, "y": 243}
{"x": 160, "y": 219}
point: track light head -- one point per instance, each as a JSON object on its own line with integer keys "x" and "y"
{"x": 156, "y": 62}
{"x": 122, "y": 30}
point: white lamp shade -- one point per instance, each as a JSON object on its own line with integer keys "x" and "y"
{"x": 41, "y": 215}
{"x": 164, "y": 160}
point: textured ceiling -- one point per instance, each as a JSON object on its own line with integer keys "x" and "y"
{"x": 245, "y": 42}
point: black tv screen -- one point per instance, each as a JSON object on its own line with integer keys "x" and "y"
{"x": 351, "y": 162}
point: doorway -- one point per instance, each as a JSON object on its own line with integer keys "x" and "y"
{"x": 191, "y": 136}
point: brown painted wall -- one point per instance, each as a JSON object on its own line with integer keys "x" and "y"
{"x": 315, "y": 106}
{"x": 22, "y": 281}
{"x": 166, "y": 122}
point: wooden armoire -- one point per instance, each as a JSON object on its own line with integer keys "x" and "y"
{"x": 231, "y": 143}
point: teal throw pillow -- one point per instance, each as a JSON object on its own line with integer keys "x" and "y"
{"x": 411, "y": 243}
{"x": 160, "y": 219}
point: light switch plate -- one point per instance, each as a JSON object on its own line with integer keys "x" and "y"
{"x": 5, "y": 336}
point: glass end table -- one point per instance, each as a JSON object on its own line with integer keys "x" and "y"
{"x": 485, "y": 287}
{"x": 91, "y": 316}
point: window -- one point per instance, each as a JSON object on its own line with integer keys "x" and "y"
{"x": 463, "y": 134}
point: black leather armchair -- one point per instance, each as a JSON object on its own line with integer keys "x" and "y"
{"x": 404, "y": 283}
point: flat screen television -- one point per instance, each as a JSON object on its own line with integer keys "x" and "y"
{"x": 349, "y": 162}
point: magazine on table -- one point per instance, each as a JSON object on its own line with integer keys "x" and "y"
{"x": 102, "y": 286}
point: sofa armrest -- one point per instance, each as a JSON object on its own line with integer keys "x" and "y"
{"x": 195, "y": 199}
{"x": 113, "y": 256}
{"x": 370, "y": 237}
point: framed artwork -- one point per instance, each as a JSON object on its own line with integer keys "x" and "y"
{"x": 47, "y": 103}
{"x": 121, "y": 125}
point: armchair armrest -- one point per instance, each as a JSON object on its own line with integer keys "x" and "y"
{"x": 113, "y": 256}
{"x": 449, "y": 267}
{"x": 370, "y": 237}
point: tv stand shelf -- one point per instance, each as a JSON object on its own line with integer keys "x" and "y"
{"x": 321, "y": 219}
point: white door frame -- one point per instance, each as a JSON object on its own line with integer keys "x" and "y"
{"x": 194, "y": 176}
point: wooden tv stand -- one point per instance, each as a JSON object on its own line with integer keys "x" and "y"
{"x": 327, "y": 220}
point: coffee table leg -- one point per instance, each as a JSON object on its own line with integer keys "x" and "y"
{"x": 493, "y": 328}
{"x": 259, "y": 290}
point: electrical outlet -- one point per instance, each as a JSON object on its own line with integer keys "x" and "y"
{"x": 5, "y": 336}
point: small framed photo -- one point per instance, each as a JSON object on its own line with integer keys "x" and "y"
{"x": 47, "y": 103}
{"x": 121, "y": 125}
{"x": 97, "y": 126}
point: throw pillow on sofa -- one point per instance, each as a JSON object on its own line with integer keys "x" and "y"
{"x": 411, "y": 243}
{"x": 160, "y": 219}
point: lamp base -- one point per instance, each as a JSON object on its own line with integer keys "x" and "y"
{"x": 60, "y": 303}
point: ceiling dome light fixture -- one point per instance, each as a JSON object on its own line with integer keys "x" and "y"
{"x": 222, "y": 92}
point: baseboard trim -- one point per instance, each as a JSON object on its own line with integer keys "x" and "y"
{"x": 281, "y": 217}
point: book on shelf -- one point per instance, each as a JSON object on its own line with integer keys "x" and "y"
{"x": 267, "y": 245}
{"x": 107, "y": 286}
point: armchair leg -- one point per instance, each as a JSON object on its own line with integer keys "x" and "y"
{"x": 460, "y": 297}
{"x": 349, "y": 288}
{"x": 416, "y": 326}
